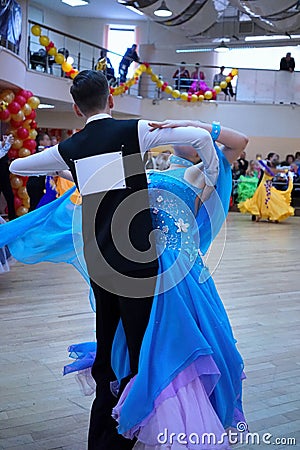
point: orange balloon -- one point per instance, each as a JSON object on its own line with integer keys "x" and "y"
{"x": 26, "y": 109}
{"x": 21, "y": 211}
{"x": 22, "y": 192}
{"x": 23, "y": 152}
{"x": 19, "y": 116}
{"x": 16, "y": 182}
{"x": 33, "y": 102}
{"x": 17, "y": 144}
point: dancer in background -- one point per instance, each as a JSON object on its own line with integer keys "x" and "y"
{"x": 268, "y": 203}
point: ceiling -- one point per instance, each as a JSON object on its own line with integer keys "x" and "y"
{"x": 203, "y": 22}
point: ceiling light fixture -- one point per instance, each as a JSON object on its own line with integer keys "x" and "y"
{"x": 45, "y": 106}
{"x": 76, "y": 2}
{"x": 163, "y": 10}
{"x": 133, "y": 9}
{"x": 222, "y": 48}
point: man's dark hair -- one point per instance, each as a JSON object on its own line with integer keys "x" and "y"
{"x": 90, "y": 91}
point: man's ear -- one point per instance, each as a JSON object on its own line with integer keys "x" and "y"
{"x": 77, "y": 110}
{"x": 110, "y": 101}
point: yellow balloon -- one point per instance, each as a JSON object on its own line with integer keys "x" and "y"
{"x": 223, "y": 84}
{"x": 184, "y": 96}
{"x": 159, "y": 83}
{"x": 26, "y": 109}
{"x": 52, "y": 51}
{"x": 59, "y": 58}
{"x": 137, "y": 73}
{"x": 234, "y": 72}
{"x": 22, "y": 192}
{"x": 19, "y": 116}
{"x": 27, "y": 124}
{"x": 217, "y": 89}
{"x": 44, "y": 40}
{"x": 66, "y": 67}
{"x": 74, "y": 74}
{"x": 154, "y": 77}
{"x": 33, "y": 102}
{"x": 149, "y": 70}
{"x": 18, "y": 143}
{"x": 142, "y": 68}
{"x": 176, "y": 93}
{"x": 16, "y": 182}
{"x": 23, "y": 152}
{"x": 36, "y": 30}
{"x": 26, "y": 202}
{"x": 200, "y": 98}
{"x": 32, "y": 134}
{"x": 21, "y": 211}
{"x": 208, "y": 95}
{"x": 228, "y": 79}
{"x": 168, "y": 90}
{"x": 194, "y": 98}
{"x": 7, "y": 95}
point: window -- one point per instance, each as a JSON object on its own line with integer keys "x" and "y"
{"x": 120, "y": 37}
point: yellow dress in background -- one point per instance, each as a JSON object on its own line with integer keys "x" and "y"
{"x": 268, "y": 202}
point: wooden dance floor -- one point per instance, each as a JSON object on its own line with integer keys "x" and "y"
{"x": 44, "y": 308}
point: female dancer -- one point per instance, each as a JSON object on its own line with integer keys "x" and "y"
{"x": 190, "y": 372}
{"x": 268, "y": 202}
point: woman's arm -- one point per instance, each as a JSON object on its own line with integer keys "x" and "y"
{"x": 233, "y": 141}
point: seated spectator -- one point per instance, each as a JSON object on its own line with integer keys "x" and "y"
{"x": 236, "y": 171}
{"x": 297, "y": 158}
{"x": 289, "y": 159}
{"x": 182, "y": 77}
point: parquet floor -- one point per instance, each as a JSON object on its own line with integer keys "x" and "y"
{"x": 44, "y": 308}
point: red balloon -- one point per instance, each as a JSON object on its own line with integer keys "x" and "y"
{"x": 32, "y": 115}
{"x": 29, "y": 94}
{"x": 13, "y": 153}
{"x": 18, "y": 202}
{"x": 14, "y": 107}
{"x": 22, "y": 133}
{"x": 30, "y": 144}
{"x": 33, "y": 124}
{"x": 16, "y": 123}
{"x": 50, "y": 45}
{"x": 4, "y": 115}
{"x": 21, "y": 100}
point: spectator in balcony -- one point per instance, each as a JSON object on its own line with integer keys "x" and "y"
{"x": 197, "y": 81}
{"x": 287, "y": 63}
{"x": 5, "y": 186}
{"x": 289, "y": 159}
{"x": 219, "y": 77}
{"x": 182, "y": 77}
{"x": 129, "y": 56}
{"x": 106, "y": 66}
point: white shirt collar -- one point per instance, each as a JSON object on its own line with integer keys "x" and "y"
{"x": 98, "y": 117}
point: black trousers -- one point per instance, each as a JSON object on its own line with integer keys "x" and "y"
{"x": 35, "y": 188}
{"x": 134, "y": 313}
{"x": 6, "y": 189}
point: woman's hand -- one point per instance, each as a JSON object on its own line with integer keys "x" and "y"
{"x": 170, "y": 124}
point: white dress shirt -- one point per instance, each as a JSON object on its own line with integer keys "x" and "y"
{"x": 50, "y": 161}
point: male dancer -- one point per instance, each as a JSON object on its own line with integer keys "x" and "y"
{"x": 117, "y": 227}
